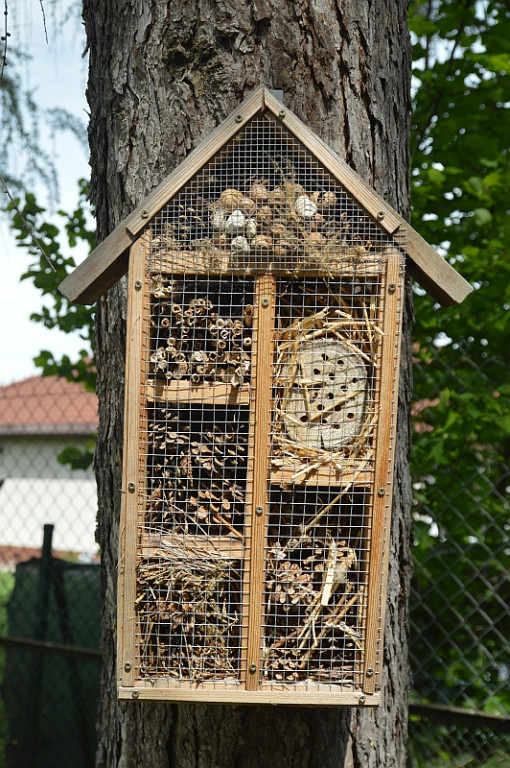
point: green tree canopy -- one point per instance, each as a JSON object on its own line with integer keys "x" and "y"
{"x": 461, "y": 175}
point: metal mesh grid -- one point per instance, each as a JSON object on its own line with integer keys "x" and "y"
{"x": 264, "y": 201}
{"x": 196, "y": 437}
{"x": 262, "y": 205}
{"x": 314, "y": 623}
{"x": 324, "y": 420}
{"x": 49, "y": 585}
{"x": 459, "y": 623}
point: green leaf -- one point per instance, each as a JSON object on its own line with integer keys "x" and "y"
{"x": 493, "y": 179}
{"x": 504, "y": 423}
{"x": 435, "y": 176}
{"x": 422, "y": 26}
{"x": 475, "y": 185}
{"x": 482, "y": 216}
{"x": 77, "y": 458}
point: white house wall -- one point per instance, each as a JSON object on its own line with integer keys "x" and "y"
{"x": 36, "y": 490}
{"x": 37, "y": 457}
{"x": 26, "y": 505}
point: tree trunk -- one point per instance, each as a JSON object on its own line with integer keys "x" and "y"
{"x": 162, "y": 75}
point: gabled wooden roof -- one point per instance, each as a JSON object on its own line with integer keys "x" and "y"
{"x": 108, "y": 262}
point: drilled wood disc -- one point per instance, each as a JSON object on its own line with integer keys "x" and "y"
{"x": 326, "y": 386}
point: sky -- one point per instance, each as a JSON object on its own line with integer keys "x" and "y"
{"x": 58, "y": 74}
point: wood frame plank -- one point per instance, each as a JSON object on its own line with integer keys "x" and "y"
{"x": 392, "y": 290}
{"x": 285, "y": 475}
{"x": 433, "y": 273}
{"x": 338, "y": 264}
{"x": 257, "y": 495}
{"x": 311, "y": 696}
{"x": 152, "y": 545}
{"x": 126, "y": 637}
{"x": 183, "y": 391}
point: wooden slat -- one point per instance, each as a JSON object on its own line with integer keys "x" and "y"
{"x": 433, "y": 273}
{"x": 336, "y": 264}
{"x": 257, "y": 487}
{"x": 154, "y": 545}
{"x": 185, "y": 392}
{"x": 382, "y": 490}
{"x": 294, "y": 473}
{"x": 155, "y": 690}
{"x": 126, "y": 646}
{"x": 100, "y": 270}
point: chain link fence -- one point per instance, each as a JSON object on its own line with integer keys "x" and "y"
{"x": 460, "y": 623}
{"x": 460, "y": 620}
{"x": 49, "y": 576}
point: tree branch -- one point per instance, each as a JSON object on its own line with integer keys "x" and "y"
{"x": 27, "y": 226}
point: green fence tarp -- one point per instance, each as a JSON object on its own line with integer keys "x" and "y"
{"x": 50, "y": 695}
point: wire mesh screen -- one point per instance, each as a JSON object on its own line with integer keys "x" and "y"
{"x": 323, "y": 415}
{"x": 265, "y": 200}
{"x": 459, "y": 602}
{"x": 196, "y": 463}
{"x": 264, "y": 299}
{"x": 49, "y": 595}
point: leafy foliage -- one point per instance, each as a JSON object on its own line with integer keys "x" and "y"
{"x": 461, "y": 176}
{"x": 47, "y": 272}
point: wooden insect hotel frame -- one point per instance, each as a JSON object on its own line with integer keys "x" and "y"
{"x": 265, "y": 302}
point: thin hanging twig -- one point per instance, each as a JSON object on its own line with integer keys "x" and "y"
{"x": 27, "y": 226}
{"x": 44, "y": 21}
{"x": 4, "y": 40}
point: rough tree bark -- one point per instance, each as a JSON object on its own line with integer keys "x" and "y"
{"x": 162, "y": 75}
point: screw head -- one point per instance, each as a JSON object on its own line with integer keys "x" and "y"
{"x": 281, "y": 114}
{"x": 370, "y": 672}
{"x": 144, "y": 214}
{"x": 134, "y": 694}
{"x": 392, "y": 288}
{"x": 362, "y": 699}
{"x": 131, "y": 487}
{"x": 381, "y": 492}
{"x": 138, "y": 285}
{"x": 127, "y": 666}
{"x": 265, "y": 301}
{"x": 380, "y": 215}
{"x": 259, "y": 510}
{"x": 252, "y": 669}
{"x": 238, "y": 118}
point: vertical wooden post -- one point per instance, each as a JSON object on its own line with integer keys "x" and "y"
{"x": 131, "y": 492}
{"x": 257, "y": 483}
{"x": 383, "y": 474}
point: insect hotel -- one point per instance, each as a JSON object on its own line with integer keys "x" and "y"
{"x": 265, "y": 303}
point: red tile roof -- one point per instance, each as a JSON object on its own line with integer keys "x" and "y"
{"x": 47, "y": 405}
